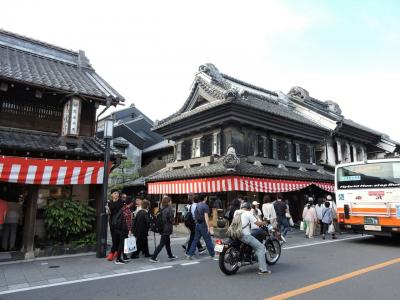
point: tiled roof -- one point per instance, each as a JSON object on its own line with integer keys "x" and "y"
{"x": 36, "y": 63}
{"x": 35, "y": 141}
{"x": 244, "y": 169}
{"x": 263, "y": 102}
{"x": 361, "y": 127}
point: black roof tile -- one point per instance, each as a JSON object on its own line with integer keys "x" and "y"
{"x": 243, "y": 169}
{"x": 36, "y": 141}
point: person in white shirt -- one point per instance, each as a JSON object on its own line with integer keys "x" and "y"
{"x": 318, "y": 208}
{"x": 269, "y": 211}
{"x": 248, "y": 220}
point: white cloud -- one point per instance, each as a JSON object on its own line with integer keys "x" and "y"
{"x": 150, "y": 50}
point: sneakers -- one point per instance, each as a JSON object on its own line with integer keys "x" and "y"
{"x": 268, "y": 272}
{"x": 115, "y": 255}
{"x": 119, "y": 262}
{"x": 188, "y": 257}
{"x": 202, "y": 250}
{"x": 110, "y": 256}
{"x": 172, "y": 257}
{"x": 153, "y": 260}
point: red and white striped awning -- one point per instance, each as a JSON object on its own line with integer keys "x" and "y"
{"x": 50, "y": 171}
{"x": 232, "y": 183}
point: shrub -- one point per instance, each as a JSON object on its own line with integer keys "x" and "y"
{"x": 66, "y": 220}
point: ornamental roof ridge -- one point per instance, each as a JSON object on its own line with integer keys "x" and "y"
{"x": 36, "y": 41}
{"x": 252, "y": 86}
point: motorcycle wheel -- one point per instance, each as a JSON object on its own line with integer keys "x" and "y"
{"x": 229, "y": 261}
{"x": 273, "y": 251}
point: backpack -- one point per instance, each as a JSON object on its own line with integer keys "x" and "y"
{"x": 189, "y": 220}
{"x": 235, "y": 229}
{"x": 158, "y": 222}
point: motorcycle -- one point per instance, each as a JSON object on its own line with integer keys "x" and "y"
{"x": 234, "y": 254}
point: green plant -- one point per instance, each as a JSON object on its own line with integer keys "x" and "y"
{"x": 66, "y": 220}
{"x": 122, "y": 174}
{"x": 89, "y": 239}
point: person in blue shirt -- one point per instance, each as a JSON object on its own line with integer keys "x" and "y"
{"x": 202, "y": 227}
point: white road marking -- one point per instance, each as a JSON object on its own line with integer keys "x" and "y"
{"x": 327, "y": 242}
{"x": 81, "y": 280}
{"x": 190, "y": 263}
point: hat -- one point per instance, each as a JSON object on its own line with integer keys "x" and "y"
{"x": 329, "y": 197}
{"x": 255, "y": 203}
{"x": 246, "y": 205}
{"x": 113, "y": 191}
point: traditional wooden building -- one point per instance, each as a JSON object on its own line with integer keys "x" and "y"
{"x": 48, "y": 149}
{"x": 275, "y": 145}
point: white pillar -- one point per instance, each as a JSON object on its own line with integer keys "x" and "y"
{"x": 347, "y": 155}
{"x": 354, "y": 152}
{"x": 331, "y": 155}
{"x": 339, "y": 151}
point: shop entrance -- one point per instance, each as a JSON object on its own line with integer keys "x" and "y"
{"x": 13, "y": 206}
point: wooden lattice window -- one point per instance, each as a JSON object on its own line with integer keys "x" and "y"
{"x": 36, "y": 109}
{"x": 283, "y": 150}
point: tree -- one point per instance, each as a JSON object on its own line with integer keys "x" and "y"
{"x": 122, "y": 174}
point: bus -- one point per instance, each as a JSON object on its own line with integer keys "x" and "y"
{"x": 368, "y": 196}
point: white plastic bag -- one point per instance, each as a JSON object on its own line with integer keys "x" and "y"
{"x": 302, "y": 225}
{"x": 291, "y": 223}
{"x": 331, "y": 228}
{"x": 130, "y": 244}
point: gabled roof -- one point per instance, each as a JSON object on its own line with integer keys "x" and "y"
{"x": 219, "y": 89}
{"x": 47, "y": 66}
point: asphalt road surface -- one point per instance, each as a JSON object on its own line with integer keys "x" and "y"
{"x": 306, "y": 268}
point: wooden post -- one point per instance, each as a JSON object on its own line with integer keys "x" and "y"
{"x": 30, "y": 222}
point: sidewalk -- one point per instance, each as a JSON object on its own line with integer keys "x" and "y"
{"x": 19, "y": 275}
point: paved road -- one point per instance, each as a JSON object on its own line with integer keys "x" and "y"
{"x": 299, "y": 267}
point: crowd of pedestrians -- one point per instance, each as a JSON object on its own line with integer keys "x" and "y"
{"x": 320, "y": 218}
{"x": 129, "y": 217}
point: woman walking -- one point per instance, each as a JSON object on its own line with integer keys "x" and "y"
{"x": 141, "y": 227}
{"x": 124, "y": 230}
{"x": 327, "y": 219}
{"x": 310, "y": 217}
{"x": 167, "y": 215}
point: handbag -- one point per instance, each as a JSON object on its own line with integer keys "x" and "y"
{"x": 130, "y": 244}
{"x": 331, "y": 228}
{"x": 291, "y": 223}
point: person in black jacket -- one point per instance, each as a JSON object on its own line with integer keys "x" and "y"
{"x": 167, "y": 220}
{"x": 141, "y": 226}
{"x": 113, "y": 207}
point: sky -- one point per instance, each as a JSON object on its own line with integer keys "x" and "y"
{"x": 149, "y": 51}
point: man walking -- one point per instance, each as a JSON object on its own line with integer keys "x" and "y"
{"x": 202, "y": 227}
{"x": 281, "y": 209}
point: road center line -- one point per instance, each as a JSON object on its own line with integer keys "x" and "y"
{"x": 82, "y": 280}
{"x": 334, "y": 280}
{"x": 327, "y": 242}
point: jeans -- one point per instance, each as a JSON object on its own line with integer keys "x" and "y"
{"x": 259, "y": 248}
{"x": 164, "y": 241}
{"x": 191, "y": 238}
{"x": 283, "y": 225}
{"x": 202, "y": 231}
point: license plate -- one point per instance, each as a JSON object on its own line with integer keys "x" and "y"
{"x": 372, "y": 227}
{"x": 371, "y": 220}
{"x": 219, "y": 248}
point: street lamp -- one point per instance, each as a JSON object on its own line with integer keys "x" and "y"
{"x": 101, "y": 244}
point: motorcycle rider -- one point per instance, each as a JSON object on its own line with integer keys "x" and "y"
{"x": 248, "y": 219}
